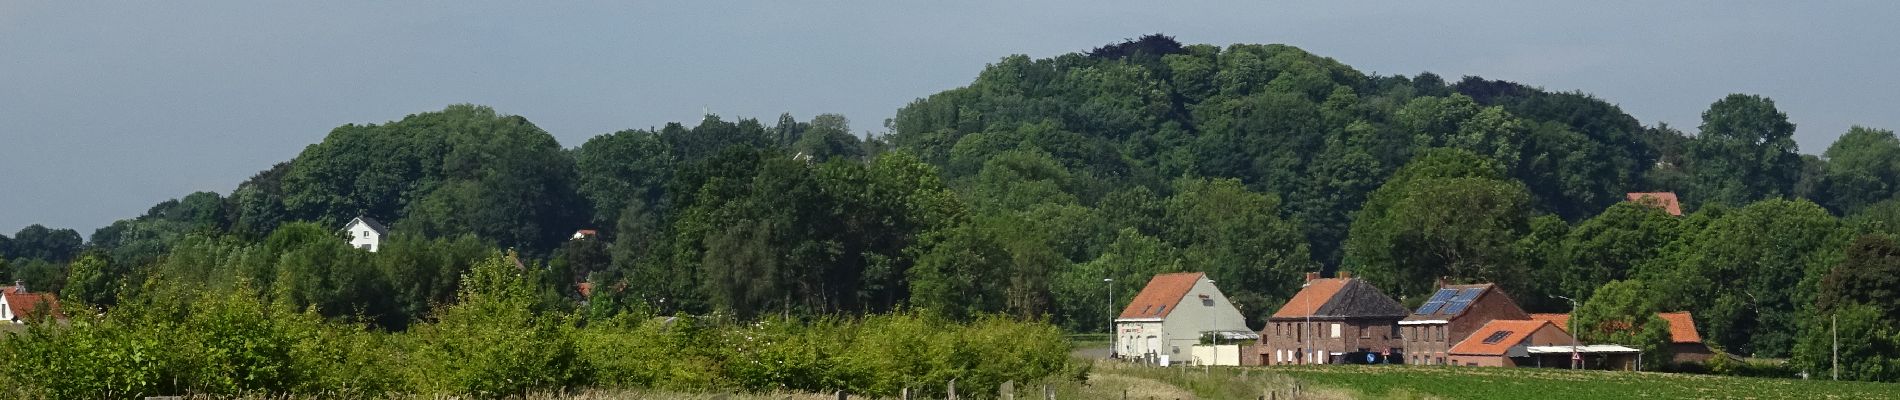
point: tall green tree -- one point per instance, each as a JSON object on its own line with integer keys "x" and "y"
{"x": 1625, "y": 312}
{"x": 1610, "y": 246}
{"x": 1449, "y": 213}
{"x": 1862, "y": 168}
{"x": 1746, "y": 152}
{"x": 1751, "y": 273}
{"x": 39, "y": 242}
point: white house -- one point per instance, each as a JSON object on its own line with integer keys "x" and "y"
{"x": 17, "y": 304}
{"x": 1170, "y": 316}
{"x": 365, "y": 233}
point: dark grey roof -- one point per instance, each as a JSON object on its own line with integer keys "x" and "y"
{"x": 1359, "y": 299}
{"x": 373, "y": 225}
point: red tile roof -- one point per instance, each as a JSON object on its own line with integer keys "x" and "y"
{"x": 1562, "y": 321}
{"x": 24, "y": 305}
{"x": 1513, "y": 331}
{"x": 1161, "y": 296}
{"x": 1666, "y": 200}
{"x": 1310, "y": 298}
{"x": 1681, "y": 325}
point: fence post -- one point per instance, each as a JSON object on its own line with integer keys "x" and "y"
{"x": 907, "y": 393}
{"x": 953, "y": 390}
{"x": 842, "y": 396}
{"x": 1007, "y": 391}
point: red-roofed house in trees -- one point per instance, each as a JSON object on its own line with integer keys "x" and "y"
{"x": 1664, "y": 200}
{"x": 1330, "y": 318}
{"x": 1172, "y": 313}
{"x": 1451, "y": 314}
{"x": 1685, "y": 343}
{"x": 17, "y": 305}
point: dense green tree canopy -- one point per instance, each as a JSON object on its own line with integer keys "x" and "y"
{"x": 1019, "y": 193}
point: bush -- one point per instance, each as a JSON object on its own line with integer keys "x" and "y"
{"x": 494, "y": 343}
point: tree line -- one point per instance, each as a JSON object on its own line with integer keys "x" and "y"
{"x": 1019, "y": 193}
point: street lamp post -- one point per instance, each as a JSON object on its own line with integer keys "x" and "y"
{"x": 1576, "y": 359}
{"x": 1108, "y": 294}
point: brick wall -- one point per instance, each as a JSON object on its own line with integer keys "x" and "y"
{"x": 1303, "y": 337}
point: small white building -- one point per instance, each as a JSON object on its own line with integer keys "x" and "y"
{"x": 18, "y": 305}
{"x": 1171, "y": 315}
{"x": 365, "y": 233}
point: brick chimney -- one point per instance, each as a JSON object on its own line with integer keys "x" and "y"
{"x": 1311, "y": 276}
{"x": 19, "y": 286}
{"x": 1344, "y": 274}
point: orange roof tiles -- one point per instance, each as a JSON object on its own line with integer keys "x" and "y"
{"x": 1316, "y": 293}
{"x": 1681, "y": 327}
{"x": 1161, "y": 296}
{"x": 1666, "y": 200}
{"x": 1562, "y": 321}
{"x": 26, "y": 304}
{"x": 1514, "y": 332}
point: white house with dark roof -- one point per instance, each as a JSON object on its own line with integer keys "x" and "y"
{"x": 365, "y": 233}
{"x": 1171, "y": 314}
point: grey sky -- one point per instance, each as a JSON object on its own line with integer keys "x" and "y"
{"x": 109, "y": 107}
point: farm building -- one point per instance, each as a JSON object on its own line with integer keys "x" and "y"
{"x": 1172, "y": 314}
{"x": 1685, "y": 345}
{"x": 1450, "y": 315}
{"x": 1507, "y": 343}
{"x": 1330, "y": 319}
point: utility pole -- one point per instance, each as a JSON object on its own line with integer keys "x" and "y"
{"x": 1109, "y": 293}
{"x": 1576, "y": 359}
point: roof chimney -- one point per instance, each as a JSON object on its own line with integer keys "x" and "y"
{"x": 1442, "y": 281}
{"x": 1344, "y": 274}
{"x": 1311, "y": 276}
{"x": 19, "y": 286}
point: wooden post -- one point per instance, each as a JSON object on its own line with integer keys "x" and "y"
{"x": 1048, "y": 392}
{"x": 906, "y": 393}
{"x": 953, "y": 390}
{"x": 842, "y": 396}
{"x": 1007, "y": 391}
{"x": 1124, "y": 394}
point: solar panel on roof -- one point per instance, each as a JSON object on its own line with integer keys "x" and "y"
{"x": 1458, "y": 304}
{"x": 1437, "y": 300}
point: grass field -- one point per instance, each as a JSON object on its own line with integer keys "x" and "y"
{"x": 1510, "y": 383}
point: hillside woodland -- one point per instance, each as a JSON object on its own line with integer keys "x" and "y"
{"x": 1003, "y": 204}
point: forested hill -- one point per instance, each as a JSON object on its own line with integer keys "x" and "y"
{"x": 1019, "y": 193}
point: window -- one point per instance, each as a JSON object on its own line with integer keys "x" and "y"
{"x": 1207, "y": 301}
{"x": 1335, "y": 330}
{"x": 365, "y": 247}
{"x": 365, "y": 233}
{"x": 1162, "y": 310}
{"x": 1441, "y": 333}
{"x": 1144, "y": 310}
{"x": 1365, "y": 333}
{"x": 1496, "y": 337}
